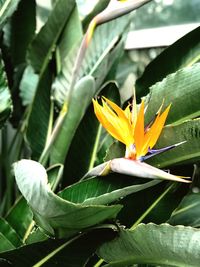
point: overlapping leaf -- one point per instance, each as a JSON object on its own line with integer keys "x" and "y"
{"x": 187, "y": 213}
{"x": 54, "y": 214}
{"x": 162, "y": 245}
{"x": 182, "y": 90}
{"x": 182, "y": 53}
{"x": 58, "y": 252}
{"x": 7, "y": 7}
{"x": 188, "y": 152}
{"x": 96, "y": 61}
{"x": 5, "y": 97}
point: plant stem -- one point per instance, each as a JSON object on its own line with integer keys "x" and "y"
{"x": 98, "y": 264}
{"x": 152, "y": 206}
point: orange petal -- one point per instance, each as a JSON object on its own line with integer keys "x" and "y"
{"x": 158, "y": 126}
{"x": 139, "y": 131}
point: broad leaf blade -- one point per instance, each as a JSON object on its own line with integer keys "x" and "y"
{"x": 54, "y": 214}
{"x": 97, "y": 58}
{"x": 189, "y": 152}
{"x": 5, "y": 97}
{"x": 88, "y": 135}
{"x": 81, "y": 97}
{"x": 163, "y": 245}
{"x": 58, "y": 252}
{"x": 182, "y": 90}
{"x": 7, "y": 7}
{"x": 40, "y": 116}
{"x": 104, "y": 190}
{"x": 187, "y": 213}
{"x": 182, "y": 53}
{"x": 42, "y": 46}
{"x": 9, "y": 233}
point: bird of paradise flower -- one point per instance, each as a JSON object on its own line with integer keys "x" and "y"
{"x": 127, "y": 126}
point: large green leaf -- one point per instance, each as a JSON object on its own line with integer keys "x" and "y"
{"x": 54, "y": 214}
{"x": 9, "y": 233}
{"x": 182, "y": 53}
{"x": 5, "y": 97}
{"x": 88, "y": 135}
{"x": 20, "y": 217}
{"x": 7, "y": 7}
{"x": 70, "y": 253}
{"x": 102, "y": 191}
{"x": 81, "y": 97}
{"x": 71, "y": 35}
{"x": 162, "y": 245}
{"x": 17, "y": 37}
{"x": 189, "y": 152}
{"x": 41, "y": 48}
{"x": 40, "y": 117}
{"x": 182, "y": 90}
{"x": 28, "y": 85}
{"x": 187, "y": 213}
{"x": 97, "y": 58}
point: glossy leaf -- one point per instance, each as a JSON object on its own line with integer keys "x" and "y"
{"x": 9, "y": 233}
{"x": 188, "y": 152}
{"x": 88, "y": 135}
{"x": 16, "y": 36}
{"x": 81, "y": 98}
{"x": 40, "y": 116}
{"x": 182, "y": 53}
{"x": 7, "y": 7}
{"x": 54, "y": 214}
{"x": 20, "y": 217}
{"x": 97, "y": 59}
{"x": 5, "y": 97}
{"x": 180, "y": 87}
{"x": 71, "y": 35}
{"x": 58, "y": 252}
{"x": 187, "y": 213}
{"x": 41, "y": 48}
{"x": 163, "y": 245}
{"x": 28, "y": 85}
{"x": 104, "y": 190}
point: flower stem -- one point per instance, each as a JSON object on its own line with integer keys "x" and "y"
{"x": 152, "y": 206}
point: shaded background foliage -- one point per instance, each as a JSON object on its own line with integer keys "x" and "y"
{"x": 44, "y": 227}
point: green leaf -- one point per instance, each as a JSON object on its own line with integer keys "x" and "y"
{"x": 103, "y": 191}
{"x": 81, "y": 97}
{"x": 40, "y": 116}
{"x": 16, "y": 36}
{"x": 88, "y": 135}
{"x": 9, "y": 233}
{"x": 5, "y": 97}
{"x": 54, "y": 214}
{"x": 7, "y": 7}
{"x": 20, "y": 217}
{"x": 182, "y": 90}
{"x": 188, "y": 152}
{"x": 71, "y": 35}
{"x": 58, "y": 252}
{"x": 98, "y": 58}
{"x": 182, "y": 53}
{"x": 162, "y": 245}
{"x": 5, "y": 244}
{"x": 28, "y": 85}
{"x": 187, "y": 213}
{"x": 41, "y": 48}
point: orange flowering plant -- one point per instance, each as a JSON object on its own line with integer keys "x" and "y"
{"x": 59, "y": 207}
